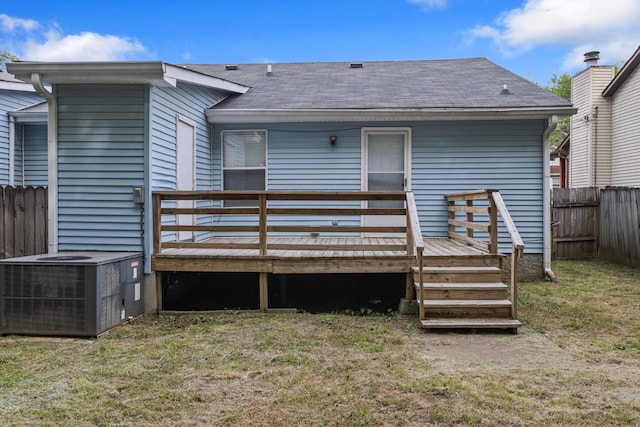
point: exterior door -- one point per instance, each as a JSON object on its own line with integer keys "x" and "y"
{"x": 386, "y": 162}
{"x": 185, "y": 171}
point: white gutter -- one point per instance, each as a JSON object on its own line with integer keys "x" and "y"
{"x": 222, "y": 115}
{"x": 12, "y": 149}
{"x": 52, "y": 143}
{"x": 546, "y": 199}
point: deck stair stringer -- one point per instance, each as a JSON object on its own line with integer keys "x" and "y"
{"x": 465, "y": 296}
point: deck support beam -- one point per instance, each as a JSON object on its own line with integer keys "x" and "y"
{"x": 409, "y": 289}
{"x": 264, "y": 292}
{"x": 158, "y": 292}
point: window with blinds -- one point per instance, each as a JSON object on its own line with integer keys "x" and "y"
{"x": 244, "y": 162}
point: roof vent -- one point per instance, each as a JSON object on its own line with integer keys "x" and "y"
{"x": 591, "y": 58}
{"x": 231, "y": 67}
{"x": 269, "y": 70}
{"x": 505, "y": 90}
{"x": 355, "y": 65}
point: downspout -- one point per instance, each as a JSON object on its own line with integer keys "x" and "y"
{"x": 12, "y": 149}
{"x": 546, "y": 199}
{"x": 595, "y": 147}
{"x": 52, "y": 144}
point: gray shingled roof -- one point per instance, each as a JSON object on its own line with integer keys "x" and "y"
{"x": 456, "y": 83}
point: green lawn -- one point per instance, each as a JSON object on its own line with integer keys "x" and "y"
{"x": 576, "y": 362}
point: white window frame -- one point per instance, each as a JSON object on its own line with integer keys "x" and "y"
{"x": 265, "y": 168}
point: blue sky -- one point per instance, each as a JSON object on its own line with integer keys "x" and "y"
{"x": 533, "y": 38}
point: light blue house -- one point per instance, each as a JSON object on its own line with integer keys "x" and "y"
{"x": 433, "y": 127}
{"x": 23, "y": 134}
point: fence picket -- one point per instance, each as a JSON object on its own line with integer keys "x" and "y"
{"x": 23, "y": 221}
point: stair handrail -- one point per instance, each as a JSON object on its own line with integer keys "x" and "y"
{"x": 414, "y": 232}
{"x": 496, "y": 207}
{"x": 517, "y": 247}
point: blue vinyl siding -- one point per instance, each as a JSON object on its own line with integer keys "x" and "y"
{"x": 451, "y": 157}
{"x": 447, "y": 157}
{"x": 190, "y": 102}
{"x": 35, "y": 155}
{"x": 18, "y": 151}
{"x": 101, "y": 136}
{"x": 10, "y": 100}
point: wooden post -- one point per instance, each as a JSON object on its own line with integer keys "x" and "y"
{"x": 452, "y": 217}
{"x": 421, "y": 285}
{"x": 159, "y": 292}
{"x": 262, "y": 213}
{"x": 264, "y": 292}
{"x": 408, "y": 295}
{"x": 157, "y": 224}
{"x": 515, "y": 255}
{"x": 470, "y": 218}
{"x": 493, "y": 225}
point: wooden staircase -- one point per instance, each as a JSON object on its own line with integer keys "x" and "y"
{"x": 465, "y": 293}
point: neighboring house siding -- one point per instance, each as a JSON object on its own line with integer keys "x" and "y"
{"x": 626, "y": 133}
{"x": 590, "y": 163}
{"x": 35, "y": 155}
{"x": 447, "y": 157}
{"x": 101, "y": 133}
{"x": 191, "y": 102}
{"x": 601, "y": 127}
{"x": 10, "y": 100}
{"x": 579, "y": 160}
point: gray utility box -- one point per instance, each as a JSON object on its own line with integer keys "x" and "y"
{"x": 70, "y": 293}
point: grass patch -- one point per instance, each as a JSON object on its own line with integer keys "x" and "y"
{"x": 594, "y": 307}
{"x": 343, "y": 370}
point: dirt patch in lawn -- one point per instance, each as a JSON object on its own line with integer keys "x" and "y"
{"x": 487, "y": 351}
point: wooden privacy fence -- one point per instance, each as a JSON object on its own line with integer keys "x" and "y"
{"x": 619, "y": 238}
{"x": 590, "y": 223}
{"x": 575, "y": 222}
{"x": 23, "y": 221}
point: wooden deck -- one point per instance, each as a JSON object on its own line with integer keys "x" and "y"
{"x": 305, "y": 233}
{"x": 356, "y": 254}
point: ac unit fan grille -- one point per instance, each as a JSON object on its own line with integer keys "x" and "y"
{"x": 44, "y": 298}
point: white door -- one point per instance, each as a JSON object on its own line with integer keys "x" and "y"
{"x": 386, "y": 160}
{"x": 185, "y": 171}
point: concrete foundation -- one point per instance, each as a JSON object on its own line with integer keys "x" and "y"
{"x": 530, "y": 268}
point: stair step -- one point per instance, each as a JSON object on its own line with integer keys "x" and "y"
{"x": 459, "y": 274}
{"x": 471, "y": 286}
{"x": 477, "y": 323}
{"x": 455, "y": 269}
{"x": 466, "y": 303}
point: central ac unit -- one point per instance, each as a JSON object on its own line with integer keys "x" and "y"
{"x": 69, "y": 293}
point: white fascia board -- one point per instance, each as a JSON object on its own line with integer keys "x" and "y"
{"x": 29, "y": 117}
{"x": 146, "y": 72}
{"x": 90, "y": 72}
{"x": 174, "y": 73}
{"x": 329, "y": 115}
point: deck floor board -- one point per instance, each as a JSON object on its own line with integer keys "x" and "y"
{"x": 358, "y": 254}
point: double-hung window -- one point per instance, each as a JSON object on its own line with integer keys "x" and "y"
{"x": 244, "y": 160}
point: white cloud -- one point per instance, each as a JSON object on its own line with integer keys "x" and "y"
{"x": 51, "y": 44}
{"x": 430, "y": 4}
{"x": 85, "y": 46}
{"x": 10, "y": 24}
{"x": 608, "y": 26}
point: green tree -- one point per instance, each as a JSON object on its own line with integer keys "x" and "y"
{"x": 561, "y": 86}
{"x": 6, "y": 56}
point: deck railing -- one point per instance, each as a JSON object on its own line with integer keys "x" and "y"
{"x": 283, "y": 213}
{"x": 480, "y": 224}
